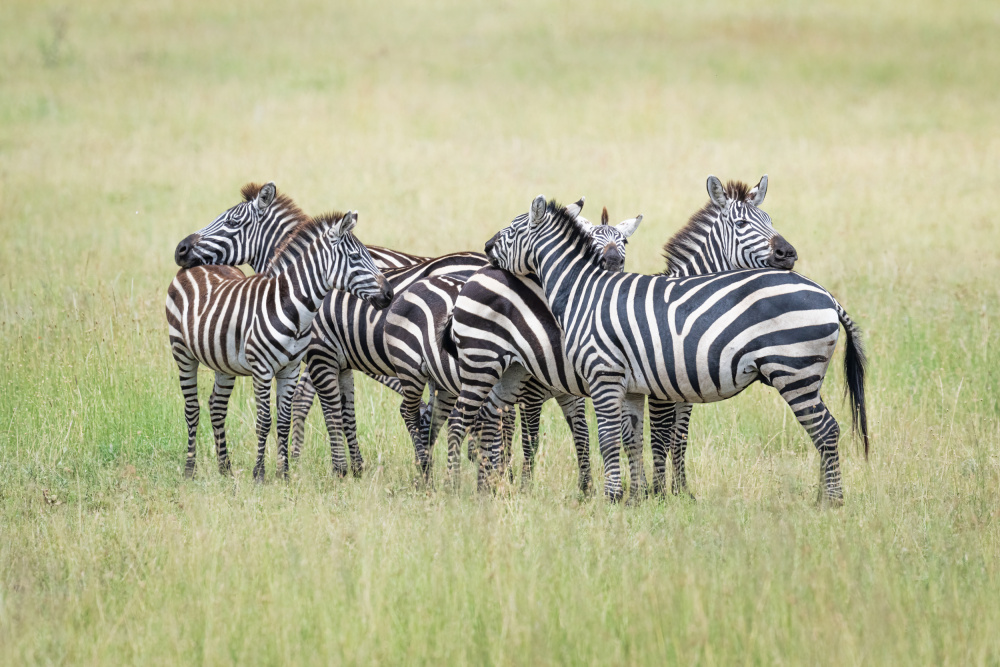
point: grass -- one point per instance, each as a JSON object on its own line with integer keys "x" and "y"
{"x": 122, "y": 129}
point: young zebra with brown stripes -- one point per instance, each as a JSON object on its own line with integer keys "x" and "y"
{"x": 260, "y": 325}
{"x": 413, "y": 326}
{"x": 695, "y": 339}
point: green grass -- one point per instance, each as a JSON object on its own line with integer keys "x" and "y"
{"x": 122, "y": 129}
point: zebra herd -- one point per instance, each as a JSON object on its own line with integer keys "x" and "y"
{"x": 546, "y": 312}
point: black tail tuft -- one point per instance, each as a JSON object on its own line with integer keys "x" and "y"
{"x": 855, "y": 365}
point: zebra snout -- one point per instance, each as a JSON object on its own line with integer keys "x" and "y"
{"x": 783, "y": 254}
{"x": 384, "y": 297}
{"x": 183, "y": 255}
{"x": 489, "y": 249}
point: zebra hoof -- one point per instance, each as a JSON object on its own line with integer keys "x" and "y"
{"x": 225, "y": 469}
{"x": 339, "y": 471}
{"x": 614, "y": 495}
{"x": 258, "y": 473}
{"x": 358, "y": 469}
{"x": 189, "y": 470}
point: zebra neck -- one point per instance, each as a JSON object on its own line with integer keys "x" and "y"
{"x": 565, "y": 270}
{"x": 279, "y": 223}
{"x": 696, "y": 249}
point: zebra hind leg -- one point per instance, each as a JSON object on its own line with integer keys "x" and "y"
{"x": 633, "y": 413}
{"x": 662, "y": 417}
{"x": 218, "y": 405}
{"x": 531, "y": 413}
{"x": 816, "y": 419}
{"x": 302, "y": 401}
{"x": 262, "y": 390}
{"x": 574, "y": 410}
{"x": 188, "y": 371}
{"x": 285, "y": 388}
{"x": 325, "y": 379}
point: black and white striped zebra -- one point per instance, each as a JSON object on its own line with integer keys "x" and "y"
{"x": 260, "y": 325}
{"x": 492, "y": 309}
{"x": 414, "y": 328}
{"x": 695, "y": 339}
{"x": 247, "y": 233}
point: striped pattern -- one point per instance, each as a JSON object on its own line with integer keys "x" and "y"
{"x": 348, "y": 335}
{"x": 685, "y": 340}
{"x": 419, "y": 321}
{"x": 260, "y": 325}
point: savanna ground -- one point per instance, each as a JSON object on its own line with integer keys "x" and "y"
{"x": 125, "y": 127}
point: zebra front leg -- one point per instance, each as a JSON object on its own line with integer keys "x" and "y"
{"x": 262, "y": 391}
{"x": 188, "y": 370}
{"x": 574, "y": 410}
{"x": 302, "y": 401}
{"x": 607, "y": 395}
{"x": 325, "y": 378}
{"x": 662, "y": 416}
{"x": 531, "y": 413}
{"x": 678, "y": 448}
{"x": 218, "y": 406}
{"x": 459, "y": 421}
{"x": 285, "y": 388}
{"x": 633, "y": 413}
{"x": 346, "y": 382}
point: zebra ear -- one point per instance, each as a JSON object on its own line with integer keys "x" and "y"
{"x": 537, "y": 211}
{"x": 716, "y": 192}
{"x": 604, "y": 216}
{"x": 628, "y": 227}
{"x": 573, "y": 210}
{"x": 346, "y": 224}
{"x": 756, "y": 195}
{"x": 266, "y": 196}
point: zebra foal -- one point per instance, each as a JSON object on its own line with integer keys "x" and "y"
{"x": 695, "y": 339}
{"x": 260, "y": 325}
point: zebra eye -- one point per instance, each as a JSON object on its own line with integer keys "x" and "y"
{"x": 742, "y": 223}
{"x": 354, "y": 255}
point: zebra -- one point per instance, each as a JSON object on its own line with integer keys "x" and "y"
{"x": 694, "y": 339}
{"x": 414, "y": 331}
{"x": 260, "y": 325}
{"x": 247, "y": 233}
{"x": 490, "y": 322}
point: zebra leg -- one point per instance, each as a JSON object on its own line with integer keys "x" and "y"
{"x": 678, "y": 448}
{"x": 662, "y": 416}
{"x": 409, "y": 410}
{"x": 819, "y": 423}
{"x": 633, "y": 412}
{"x": 218, "y": 406}
{"x": 302, "y": 401}
{"x": 531, "y": 413}
{"x": 346, "y": 381}
{"x": 574, "y": 410}
{"x": 325, "y": 379}
{"x": 188, "y": 370}
{"x": 285, "y": 388}
{"x": 262, "y": 390}
{"x": 607, "y": 395}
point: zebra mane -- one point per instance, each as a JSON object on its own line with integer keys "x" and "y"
{"x": 295, "y": 244}
{"x": 281, "y": 200}
{"x": 578, "y": 234}
{"x": 694, "y": 232}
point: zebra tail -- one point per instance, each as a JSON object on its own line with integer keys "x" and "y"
{"x": 445, "y": 338}
{"x": 855, "y": 365}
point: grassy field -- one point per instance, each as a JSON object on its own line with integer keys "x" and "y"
{"x": 124, "y": 127}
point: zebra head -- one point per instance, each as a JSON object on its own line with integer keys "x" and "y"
{"x": 245, "y": 234}
{"x": 610, "y": 240}
{"x": 508, "y": 249}
{"x": 350, "y": 265}
{"x": 742, "y": 233}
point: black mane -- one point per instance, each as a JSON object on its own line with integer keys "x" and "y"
{"x": 697, "y": 226}
{"x": 299, "y": 239}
